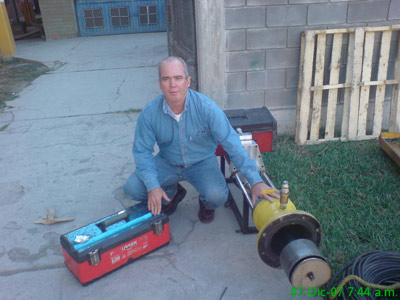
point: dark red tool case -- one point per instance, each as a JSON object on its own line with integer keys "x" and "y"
{"x": 259, "y": 121}
{"x": 107, "y": 244}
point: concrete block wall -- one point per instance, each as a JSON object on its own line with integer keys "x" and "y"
{"x": 263, "y": 46}
{"x": 59, "y": 19}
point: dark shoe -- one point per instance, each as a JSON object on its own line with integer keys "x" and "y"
{"x": 205, "y": 215}
{"x": 170, "y": 208}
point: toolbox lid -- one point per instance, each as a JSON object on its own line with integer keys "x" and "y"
{"x": 117, "y": 233}
{"x": 252, "y": 120}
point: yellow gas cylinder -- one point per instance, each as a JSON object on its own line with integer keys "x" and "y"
{"x": 7, "y": 45}
{"x": 290, "y": 238}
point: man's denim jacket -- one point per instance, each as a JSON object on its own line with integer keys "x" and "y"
{"x": 202, "y": 126}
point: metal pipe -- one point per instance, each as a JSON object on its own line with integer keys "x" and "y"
{"x": 244, "y": 190}
{"x": 269, "y": 181}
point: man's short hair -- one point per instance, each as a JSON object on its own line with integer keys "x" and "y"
{"x": 172, "y": 58}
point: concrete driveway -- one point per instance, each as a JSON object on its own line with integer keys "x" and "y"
{"x": 68, "y": 148}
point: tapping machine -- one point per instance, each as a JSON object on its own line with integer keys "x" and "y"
{"x": 287, "y": 237}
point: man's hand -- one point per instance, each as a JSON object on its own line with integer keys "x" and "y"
{"x": 257, "y": 192}
{"x": 154, "y": 201}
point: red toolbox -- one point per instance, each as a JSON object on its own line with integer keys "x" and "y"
{"x": 259, "y": 121}
{"x": 109, "y": 243}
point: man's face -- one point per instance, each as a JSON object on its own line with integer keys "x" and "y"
{"x": 173, "y": 82}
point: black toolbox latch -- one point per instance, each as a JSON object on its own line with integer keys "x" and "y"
{"x": 94, "y": 257}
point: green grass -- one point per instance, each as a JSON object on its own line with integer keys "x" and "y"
{"x": 15, "y": 75}
{"x": 352, "y": 188}
{"x": 4, "y": 127}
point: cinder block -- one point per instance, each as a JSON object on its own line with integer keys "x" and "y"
{"x": 368, "y": 11}
{"x": 292, "y": 78}
{"x": 275, "y": 79}
{"x": 283, "y": 97}
{"x": 246, "y": 61}
{"x": 246, "y": 17}
{"x": 266, "y": 2}
{"x": 234, "y": 3}
{"x": 382, "y": 23}
{"x": 307, "y": 1}
{"x": 393, "y": 51}
{"x": 286, "y": 15}
{"x": 337, "y": 26}
{"x": 332, "y": 13}
{"x": 246, "y": 100}
{"x": 391, "y": 71}
{"x": 394, "y": 10}
{"x": 294, "y": 34}
{"x": 236, "y": 40}
{"x": 282, "y": 58}
{"x": 236, "y": 82}
{"x": 256, "y": 80}
{"x": 266, "y": 38}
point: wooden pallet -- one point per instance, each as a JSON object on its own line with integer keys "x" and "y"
{"x": 356, "y": 84}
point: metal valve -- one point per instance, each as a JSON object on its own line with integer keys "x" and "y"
{"x": 284, "y": 195}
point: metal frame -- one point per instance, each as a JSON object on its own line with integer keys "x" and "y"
{"x": 242, "y": 218}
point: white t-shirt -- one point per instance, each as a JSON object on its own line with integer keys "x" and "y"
{"x": 177, "y": 117}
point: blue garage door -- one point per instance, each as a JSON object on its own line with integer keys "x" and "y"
{"x": 97, "y": 17}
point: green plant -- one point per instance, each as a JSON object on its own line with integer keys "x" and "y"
{"x": 352, "y": 188}
{"x": 2, "y": 128}
{"x": 15, "y": 75}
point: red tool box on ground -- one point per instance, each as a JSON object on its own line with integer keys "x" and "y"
{"x": 259, "y": 121}
{"x": 107, "y": 244}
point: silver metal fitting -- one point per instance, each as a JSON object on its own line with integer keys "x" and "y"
{"x": 284, "y": 194}
{"x": 158, "y": 227}
{"x": 94, "y": 257}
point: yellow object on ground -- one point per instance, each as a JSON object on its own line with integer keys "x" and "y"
{"x": 389, "y": 142}
{"x": 7, "y": 45}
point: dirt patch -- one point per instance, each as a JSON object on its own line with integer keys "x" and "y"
{"x": 15, "y": 75}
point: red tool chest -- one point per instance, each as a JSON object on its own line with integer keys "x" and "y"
{"x": 259, "y": 121}
{"x": 109, "y": 243}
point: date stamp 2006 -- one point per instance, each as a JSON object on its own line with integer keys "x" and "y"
{"x": 338, "y": 291}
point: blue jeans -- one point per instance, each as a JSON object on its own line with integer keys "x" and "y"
{"x": 205, "y": 176}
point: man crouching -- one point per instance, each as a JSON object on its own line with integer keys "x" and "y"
{"x": 187, "y": 127}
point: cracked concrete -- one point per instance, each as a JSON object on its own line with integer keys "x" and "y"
{"x": 68, "y": 148}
